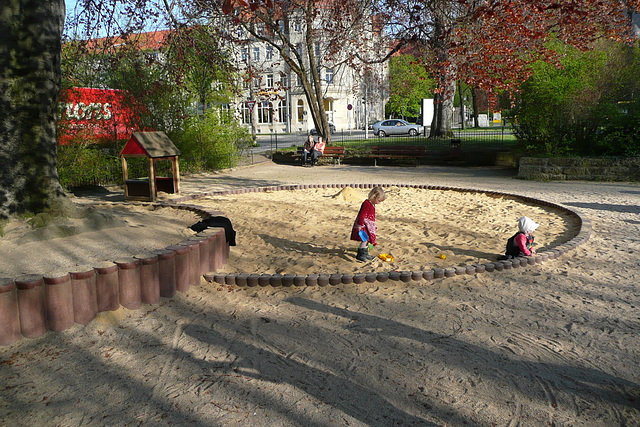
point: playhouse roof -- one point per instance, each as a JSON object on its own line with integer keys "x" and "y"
{"x": 151, "y": 144}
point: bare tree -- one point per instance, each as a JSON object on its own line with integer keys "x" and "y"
{"x": 308, "y": 35}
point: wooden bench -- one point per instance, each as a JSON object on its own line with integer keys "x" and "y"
{"x": 398, "y": 152}
{"x": 330, "y": 151}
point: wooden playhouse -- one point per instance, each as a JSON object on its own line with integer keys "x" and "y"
{"x": 155, "y": 146}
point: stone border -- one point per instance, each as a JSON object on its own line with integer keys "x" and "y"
{"x": 255, "y": 279}
{"x": 580, "y": 168}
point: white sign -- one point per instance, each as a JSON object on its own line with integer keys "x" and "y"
{"x": 427, "y": 111}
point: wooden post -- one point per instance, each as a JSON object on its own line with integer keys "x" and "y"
{"x": 176, "y": 174}
{"x": 152, "y": 179}
{"x": 125, "y": 175}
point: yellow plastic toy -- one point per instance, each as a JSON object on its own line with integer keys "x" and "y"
{"x": 386, "y": 257}
{"x": 442, "y": 256}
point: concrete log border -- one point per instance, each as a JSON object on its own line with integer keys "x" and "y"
{"x": 54, "y": 301}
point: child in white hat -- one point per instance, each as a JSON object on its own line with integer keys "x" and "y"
{"x": 520, "y": 244}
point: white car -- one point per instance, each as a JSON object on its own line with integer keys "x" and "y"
{"x": 396, "y": 127}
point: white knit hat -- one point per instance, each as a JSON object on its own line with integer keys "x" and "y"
{"x": 527, "y": 225}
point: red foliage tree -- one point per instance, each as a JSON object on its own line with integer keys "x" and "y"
{"x": 490, "y": 44}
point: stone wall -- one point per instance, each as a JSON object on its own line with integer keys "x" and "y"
{"x": 586, "y": 168}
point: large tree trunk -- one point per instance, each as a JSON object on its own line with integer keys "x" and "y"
{"x": 446, "y": 78}
{"x": 30, "y": 43}
{"x": 443, "y": 110}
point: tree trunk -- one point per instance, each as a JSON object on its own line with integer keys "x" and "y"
{"x": 30, "y": 44}
{"x": 443, "y": 110}
{"x": 461, "y": 98}
{"x": 474, "y": 97}
{"x": 446, "y": 79}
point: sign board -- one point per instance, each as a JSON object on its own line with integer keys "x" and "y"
{"x": 96, "y": 114}
{"x": 427, "y": 112}
{"x": 250, "y": 105}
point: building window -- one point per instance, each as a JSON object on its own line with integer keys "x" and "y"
{"x": 317, "y": 50}
{"x": 284, "y": 81}
{"x": 270, "y": 81}
{"x": 328, "y": 76}
{"x": 256, "y": 83}
{"x": 283, "y": 111}
{"x": 245, "y": 54}
{"x": 245, "y": 113}
{"x": 265, "y": 112}
{"x": 297, "y": 26}
{"x": 300, "y": 111}
{"x": 269, "y": 53}
{"x": 299, "y": 48}
{"x": 256, "y": 54}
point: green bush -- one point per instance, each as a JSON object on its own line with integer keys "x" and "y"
{"x": 87, "y": 162}
{"x": 210, "y": 142}
{"x": 586, "y": 107}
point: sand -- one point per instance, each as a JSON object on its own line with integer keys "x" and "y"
{"x": 554, "y": 344}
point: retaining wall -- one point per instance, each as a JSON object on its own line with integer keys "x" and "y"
{"x": 584, "y": 168}
{"x": 31, "y": 305}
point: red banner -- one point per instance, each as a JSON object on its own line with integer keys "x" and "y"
{"x": 96, "y": 114}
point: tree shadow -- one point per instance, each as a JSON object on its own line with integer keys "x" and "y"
{"x": 302, "y": 248}
{"x": 606, "y": 207}
{"x": 580, "y": 380}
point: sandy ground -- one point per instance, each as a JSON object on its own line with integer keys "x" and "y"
{"x": 554, "y": 344}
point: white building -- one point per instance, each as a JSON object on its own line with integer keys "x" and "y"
{"x": 272, "y": 98}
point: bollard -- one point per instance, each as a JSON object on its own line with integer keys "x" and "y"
{"x": 167, "y": 272}
{"x": 58, "y": 296}
{"x": 129, "y": 283}
{"x": 149, "y": 278}
{"x": 107, "y": 287}
{"x": 31, "y": 306}
{"x": 182, "y": 267}
{"x": 85, "y": 299}
{"x": 216, "y": 255}
{"x": 194, "y": 261}
{"x": 9, "y": 319}
{"x": 205, "y": 253}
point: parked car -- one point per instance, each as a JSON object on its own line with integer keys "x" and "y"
{"x": 332, "y": 129}
{"x": 396, "y": 127}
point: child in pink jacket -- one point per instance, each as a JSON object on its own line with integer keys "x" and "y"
{"x": 366, "y": 223}
{"x": 520, "y": 244}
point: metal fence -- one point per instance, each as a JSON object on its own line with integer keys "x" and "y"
{"x": 494, "y": 138}
{"x": 499, "y": 138}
